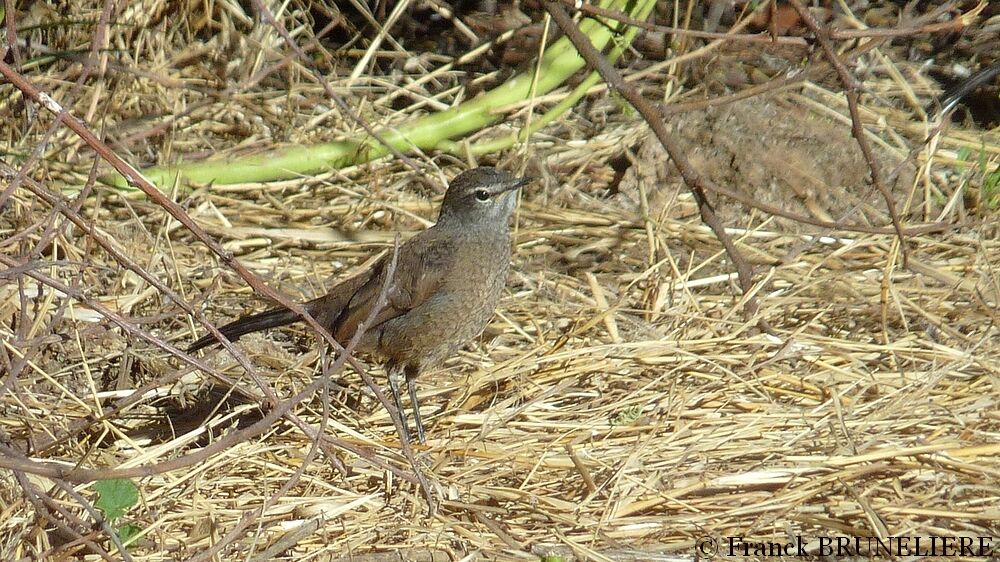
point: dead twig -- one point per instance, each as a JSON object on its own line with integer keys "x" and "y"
{"x": 654, "y": 119}
{"x": 851, "y": 88}
{"x": 176, "y": 211}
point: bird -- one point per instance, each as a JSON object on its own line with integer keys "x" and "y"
{"x": 445, "y": 288}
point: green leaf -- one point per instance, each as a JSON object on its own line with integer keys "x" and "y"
{"x": 627, "y": 416}
{"x": 128, "y": 533}
{"x": 115, "y": 496}
{"x": 991, "y": 188}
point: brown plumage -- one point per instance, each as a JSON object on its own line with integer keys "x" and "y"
{"x": 447, "y": 283}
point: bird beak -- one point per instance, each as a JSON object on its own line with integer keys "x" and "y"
{"x": 516, "y": 184}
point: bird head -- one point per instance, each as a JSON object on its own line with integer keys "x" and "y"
{"x": 481, "y": 196}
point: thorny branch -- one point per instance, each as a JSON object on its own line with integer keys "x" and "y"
{"x": 695, "y": 181}
{"x": 851, "y": 88}
{"x": 177, "y": 212}
{"x": 397, "y": 419}
{"x": 698, "y": 184}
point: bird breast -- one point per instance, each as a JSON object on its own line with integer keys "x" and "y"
{"x": 458, "y": 311}
{"x": 476, "y": 283}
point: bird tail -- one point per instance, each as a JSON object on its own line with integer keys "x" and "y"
{"x": 327, "y": 310}
{"x": 255, "y": 323}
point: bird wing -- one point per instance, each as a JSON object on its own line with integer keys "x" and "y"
{"x": 421, "y": 270}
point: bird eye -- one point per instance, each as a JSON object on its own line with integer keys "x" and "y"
{"x": 482, "y": 195}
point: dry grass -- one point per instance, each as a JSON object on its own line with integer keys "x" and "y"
{"x": 621, "y": 400}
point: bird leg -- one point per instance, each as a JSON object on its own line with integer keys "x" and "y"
{"x": 411, "y": 386}
{"x": 394, "y": 376}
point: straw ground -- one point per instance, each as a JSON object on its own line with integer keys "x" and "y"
{"x": 619, "y": 402}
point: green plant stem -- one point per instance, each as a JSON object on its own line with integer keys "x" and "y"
{"x": 559, "y": 63}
